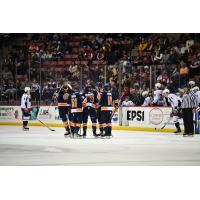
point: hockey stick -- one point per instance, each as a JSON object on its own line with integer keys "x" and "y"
{"x": 163, "y": 125}
{"x": 46, "y": 125}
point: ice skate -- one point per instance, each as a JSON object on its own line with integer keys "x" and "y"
{"x": 68, "y": 133}
{"x": 25, "y": 128}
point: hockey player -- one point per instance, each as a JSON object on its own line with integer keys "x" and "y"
{"x": 90, "y": 106}
{"x": 76, "y": 101}
{"x": 175, "y": 102}
{"x": 197, "y": 93}
{"x": 62, "y": 95}
{"x": 107, "y": 100}
{"x": 147, "y": 99}
{"x": 26, "y": 107}
{"x": 99, "y": 111}
{"x": 157, "y": 98}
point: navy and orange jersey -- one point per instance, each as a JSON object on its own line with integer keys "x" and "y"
{"x": 60, "y": 96}
{"x": 76, "y": 101}
{"x": 90, "y": 99}
{"x": 99, "y": 96}
{"x": 107, "y": 101}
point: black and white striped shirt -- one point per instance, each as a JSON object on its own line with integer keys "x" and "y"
{"x": 189, "y": 100}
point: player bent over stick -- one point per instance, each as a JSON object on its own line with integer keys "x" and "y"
{"x": 107, "y": 99}
{"x": 175, "y": 102}
{"x": 62, "y": 95}
{"x": 26, "y": 107}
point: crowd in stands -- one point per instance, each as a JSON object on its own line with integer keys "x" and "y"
{"x": 171, "y": 59}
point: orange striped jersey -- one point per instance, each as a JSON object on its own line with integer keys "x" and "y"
{"x": 76, "y": 101}
{"x": 90, "y": 99}
{"x": 107, "y": 100}
{"x": 60, "y": 92}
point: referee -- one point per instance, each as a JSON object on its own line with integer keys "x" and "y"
{"x": 189, "y": 102}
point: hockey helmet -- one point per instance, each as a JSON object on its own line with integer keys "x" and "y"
{"x": 195, "y": 89}
{"x": 165, "y": 92}
{"x": 158, "y": 85}
{"x": 191, "y": 83}
{"x": 107, "y": 87}
{"x": 66, "y": 85}
{"x": 145, "y": 94}
{"x": 27, "y": 89}
{"x": 88, "y": 88}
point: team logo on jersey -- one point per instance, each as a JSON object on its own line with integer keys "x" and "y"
{"x": 155, "y": 116}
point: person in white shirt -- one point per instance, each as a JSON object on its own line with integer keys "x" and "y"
{"x": 175, "y": 102}
{"x": 157, "y": 95}
{"x": 127, "y": 102}
{"x": 26, "y": 107}
{"x": 147, "y": 99}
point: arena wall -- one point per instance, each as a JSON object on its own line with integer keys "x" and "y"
{"x": 131, "y": 118}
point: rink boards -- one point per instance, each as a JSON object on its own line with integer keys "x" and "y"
{"x": 127, "y": 118}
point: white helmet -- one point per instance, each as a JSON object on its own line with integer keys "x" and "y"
{"x": 165, "y": 92}
{"x": 145, "y": 93}
{"x": 158, "y": 85}
{"x": 195, "y": 89}
{"x": 27, "y": 89}
{"x": 191, "y": 83}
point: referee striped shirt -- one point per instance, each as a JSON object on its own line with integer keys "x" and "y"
{"x": 189, "y": 100}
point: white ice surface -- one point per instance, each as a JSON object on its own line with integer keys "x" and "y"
{"x": 39, "y": 147}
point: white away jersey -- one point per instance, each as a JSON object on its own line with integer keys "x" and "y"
{"x": 198, "y": 97}
{"x": 26, "y": 101}
{"x": 157, "y": 97}
{"x": 174, "y": 100}
{"x": 127, "y": 103}
{"x": 147, "y": 101}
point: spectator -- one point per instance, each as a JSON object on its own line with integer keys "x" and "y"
{"x": 189, "y": 43}
{"x": 33, "y": 48}
{"x": 100, "y": 55}
{"x": 127, "y": 102}
{"x": 158, "y": 57}
{"x": 35, "y": 91}
{"x": 135, "y": 97}
{"x": 163, "y": 78}
{"x": 184, "y": 74}
{"x": 143, "y": 45}
{"x": 88, "y": 55}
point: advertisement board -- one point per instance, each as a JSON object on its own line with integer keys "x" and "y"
{"x": 154, "y": 117}
{"x": 151, "y": 117}
{"x": 10, "y": 113}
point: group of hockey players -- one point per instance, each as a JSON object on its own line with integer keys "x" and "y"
{"x": 76, "y": 107}
{"x": 162, "y": 96}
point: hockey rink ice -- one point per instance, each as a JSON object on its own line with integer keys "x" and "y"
{"x": 39, "y": 147}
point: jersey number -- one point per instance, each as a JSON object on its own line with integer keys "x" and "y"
{"x": 91, "y": 99}
{"x": 74, "y": 103}
{"x": 109, "y": 100}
